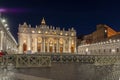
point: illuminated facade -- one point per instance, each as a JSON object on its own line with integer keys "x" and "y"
{"x": 104, "y": 41}
{"x": 46, "y": 39}
{"x": 102, "y": 32}
{"x": 7, "y": 41}
{"x": 111, "y": 46}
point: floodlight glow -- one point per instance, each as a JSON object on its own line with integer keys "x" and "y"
{"x": 86, "y": 50}
{"x": 113, "y": 50}
{"x": 118, "y": 40}
{"x": 7, "y": 28}
{"x": 3, "y": 20}
{"x": 6, "y": 25}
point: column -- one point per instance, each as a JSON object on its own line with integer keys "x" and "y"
{"x": 4, "y": 42}
{"x": 20, "y": 44}
{"x": 0, "y": 39}
{"x": 64, "y": 47}
{"x": 57, "y": 46}
{"x": 1, "y": 47}
{"x": 75, "y": 46}
{"x": 35, "y": 39}
{"x": 44, "y": 44}
{"x": 29, "y": 42}
{"x": 69, "y": 45}
{"x": 48, "y": 46}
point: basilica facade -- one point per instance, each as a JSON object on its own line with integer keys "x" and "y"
{"x": 46, "y": 39}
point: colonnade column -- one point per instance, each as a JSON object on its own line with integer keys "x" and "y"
{"x": 64, "y": 47}
{"x": 57, "y": 46}
{"x": 29, "y": 42}
{"x": 48, "y": 47}
{"x": 20, "y": 44}
{"x": 4, "y": 42}
{"x": 35, "y": 44}
{"x": 1, "y": 40}
{"x": 75, "y": 46}
{"x": 69, "y": 45}
{"x": 44, "y": 44}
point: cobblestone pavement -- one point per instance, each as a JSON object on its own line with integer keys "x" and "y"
{"x": 29, "y": 77}
{"x": 69, "y": 71}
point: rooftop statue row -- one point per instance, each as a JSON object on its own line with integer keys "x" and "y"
{"x": 43, "y": 28}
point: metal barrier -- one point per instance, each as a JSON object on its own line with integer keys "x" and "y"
{"x": 91, "y": 59}
{"x": 27, "y": 60}
{"x": 45, "y": 60}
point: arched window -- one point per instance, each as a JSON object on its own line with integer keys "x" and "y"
{"x": 61, "y": 42}
{"x": 51, "y": 42}
{"x": 72, "y": 46}
{"x": 24, "y": 47}
{"x": 117, "y": 49}
{"x": 39, "y": 41}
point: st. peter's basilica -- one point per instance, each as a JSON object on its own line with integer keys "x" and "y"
{"x": 46, "y": 39}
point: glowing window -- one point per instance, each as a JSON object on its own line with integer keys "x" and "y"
{"x": 24, "y": 41}
{"x": 39, "y": 31}
{"x": 61, "y": 33}
{"x": 105, "y": 31}
{"x": 72, "y": 34}
{"x": 46, "y": 32}
{"x": 66, "y": 34}
{"x": 33, "y": 31}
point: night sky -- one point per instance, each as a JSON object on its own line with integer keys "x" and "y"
{"x": 83, "y": 15}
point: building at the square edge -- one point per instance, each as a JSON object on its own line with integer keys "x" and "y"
{"x": 104, "y": 40}
{"x": 7, "y": 41}
{"x": 46, "y": 39}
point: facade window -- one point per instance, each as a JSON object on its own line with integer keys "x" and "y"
{"x": 61, "y": 33}
{"x": 39, "y": 31}
{"x": 105, "y": 31}
{"x": 33, "y": 31}
{"x": 117, "y": 49}
{"x": 104, "y": 50}
{"x": 54, "y": 32}
{"x": 46, "y": 32}
{"x": 72, "y": 34}
{"x": 55, "y": 47}
{"x": 110, "y": 50}
{"x": 24, "y": 47}
{"x": 99, "y": 50}
{"x": 39, "y": 45}
{"x": 66, "y": 34}
{"x": 46, "y": 47}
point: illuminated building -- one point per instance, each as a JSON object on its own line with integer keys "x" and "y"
{"x": 111, "y": 46}
{"x": 7, "y": 41}
{"x": 104, "y": 41}
{"x": 46, "y": 39}
{"x": 102, "y": 32}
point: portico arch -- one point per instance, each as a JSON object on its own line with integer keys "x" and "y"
{"x": 72, "y": 47}
{"x": 24, "y": 47}
{"x": 61, "y": 43}
{"x": 51, "y": 44}
{"x": 39, "y": 44}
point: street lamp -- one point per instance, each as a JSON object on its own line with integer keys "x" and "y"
{"x": 6, "y": 25}
{"x": 3, "y": 20}
{"x": 7, "y": 28}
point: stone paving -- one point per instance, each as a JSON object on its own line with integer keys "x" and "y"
{"x": 29, "y": 77}
{"x": 70, "y": 71}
